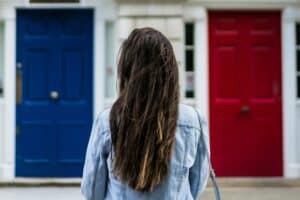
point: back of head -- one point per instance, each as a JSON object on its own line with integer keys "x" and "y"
{"x": 144, "y": 117}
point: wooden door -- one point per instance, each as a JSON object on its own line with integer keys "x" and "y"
{"x": 245, "y": 93}
{"x": 54, "y": 111}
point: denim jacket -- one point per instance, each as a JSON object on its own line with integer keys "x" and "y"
{"x": 188, "y": 167}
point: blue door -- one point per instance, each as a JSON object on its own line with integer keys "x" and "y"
{"x": 54, "y": 91}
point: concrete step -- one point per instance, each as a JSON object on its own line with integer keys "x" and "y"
{"x": 223, "y": 182}
{"x": 257, "y": 182}
{"x": 41, "y": 182}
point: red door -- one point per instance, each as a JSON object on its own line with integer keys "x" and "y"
{"x": 245, "y": 93}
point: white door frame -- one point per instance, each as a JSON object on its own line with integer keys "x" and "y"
{"x": 289, "y": 18}
{"x": 198, "y": 13}
{"x": 7, "y": 165}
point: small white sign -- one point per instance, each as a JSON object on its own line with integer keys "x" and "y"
{"x": 190, "y": 82}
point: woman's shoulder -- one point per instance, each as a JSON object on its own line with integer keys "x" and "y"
{"x": 103, "y": 119}
{"x": 188, "y": 116}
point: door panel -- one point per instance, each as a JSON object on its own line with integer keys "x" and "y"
{"x": 229, "y": 56}
{"x": 37, "y": 80}
{"x": 245, "y": 93}
{"x": 55, "y": 50}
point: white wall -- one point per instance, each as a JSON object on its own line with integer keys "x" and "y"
{"x": 167, "y": 19}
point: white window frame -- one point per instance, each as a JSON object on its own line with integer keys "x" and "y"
{"x": 109, "y": 100}
{"x": 198, "y": 15}
{"x": 189, "y": 100}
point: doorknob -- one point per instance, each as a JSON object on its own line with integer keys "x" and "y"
{"x": 245, "y": 109}
{"x": 54, "y": 95}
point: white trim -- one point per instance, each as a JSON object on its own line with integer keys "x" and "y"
{"x": 198, "y": 15}
{"x": 289, "y": 92}
{"x": 99, "y": 62}
{"x": 47, "y": 5}
{"x": 8, "y": 165}
{"x": 293, "y": 171}
{"x": 110, "y": 99}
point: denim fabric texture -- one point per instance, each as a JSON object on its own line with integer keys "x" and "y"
{"x": 189, "y": 169}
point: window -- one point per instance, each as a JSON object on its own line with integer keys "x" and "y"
{"x": 298, "y": 59}
{"x": 189, "y": 60}
{"x": 54, "y": 1}
{"x": 110, "y": 64}
{"x": 1, "y": 59}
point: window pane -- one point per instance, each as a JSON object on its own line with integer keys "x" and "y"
{"x": 298, "y": 33}
{"x": 54, "y": 1}
{"x": 189, "y": 85}
{"x": 1, "y": 59}
{"x": 298, "y": 86}
{"x": 110, "y": 83}
{"x": 189, "y": 94}
{"x": 189, "y": 60}
{"x": 189, "y": 34}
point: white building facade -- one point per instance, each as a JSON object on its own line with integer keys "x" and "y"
{"x": 239, "y": 62}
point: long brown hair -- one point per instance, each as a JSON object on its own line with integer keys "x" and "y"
{"x": 144, "y": 117}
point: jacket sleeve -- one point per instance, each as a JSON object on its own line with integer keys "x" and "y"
{"x": 199, "y": 172}
{"x": 93, "y": 185}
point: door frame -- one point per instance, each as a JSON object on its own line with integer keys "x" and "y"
{"x": 7, "y": 163}
{"x": 289, "y": 15}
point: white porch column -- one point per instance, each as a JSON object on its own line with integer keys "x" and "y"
{"x": 201, "y": 62}
{"x": 7, "y": 166}
{"x": 99, "y": 62}
{"x": 291, "y": 166}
